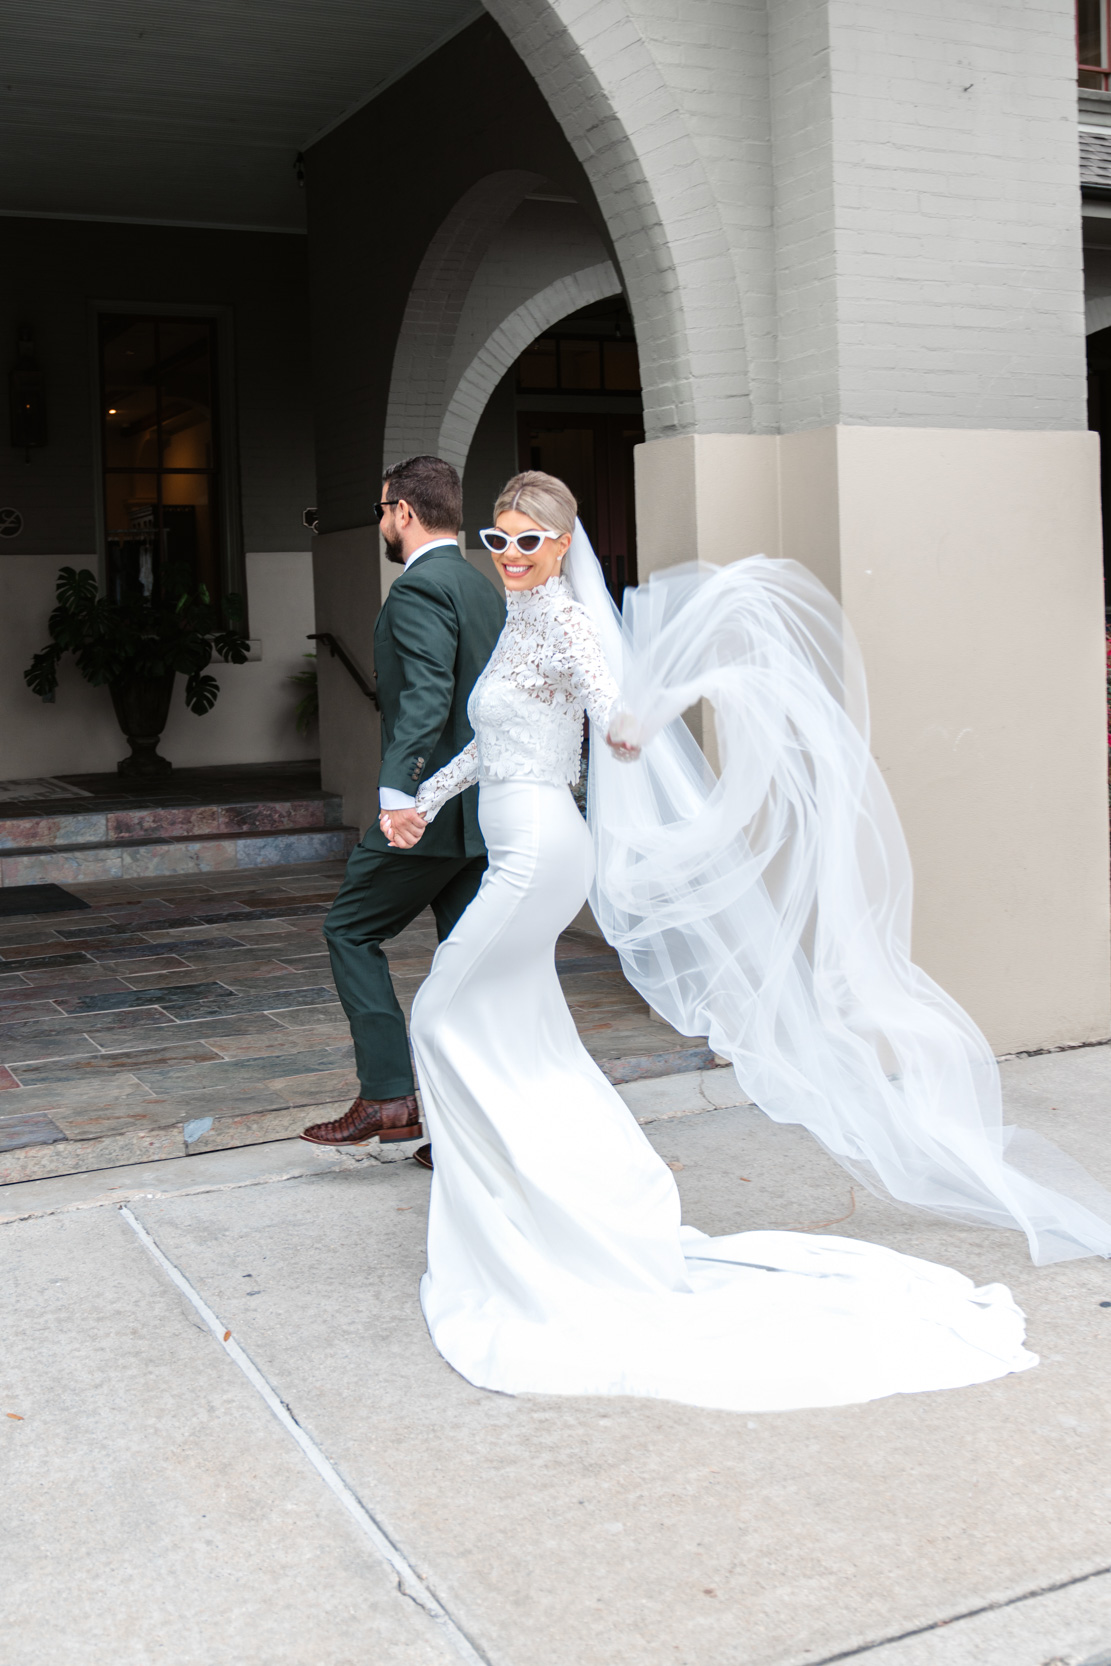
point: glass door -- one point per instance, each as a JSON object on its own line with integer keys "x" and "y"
{"x": 161, "y": 454}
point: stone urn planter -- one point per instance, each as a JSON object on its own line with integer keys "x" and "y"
{"x": 135, "y": 647}
{"x": 142, "y": 705}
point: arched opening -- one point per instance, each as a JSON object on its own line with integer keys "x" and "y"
{"x": 570, "y": 404}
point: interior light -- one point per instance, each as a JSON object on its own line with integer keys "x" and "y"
{"x": 111, "y": 410}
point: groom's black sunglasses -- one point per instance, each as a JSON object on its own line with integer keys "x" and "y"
{"x": 380, "y": 508}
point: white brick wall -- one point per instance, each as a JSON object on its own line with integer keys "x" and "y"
{"x": 957, "y": 226}
{"x": 862, "y": 211}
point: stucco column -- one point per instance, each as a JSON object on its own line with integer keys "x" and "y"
{"x": 970, "y": 566}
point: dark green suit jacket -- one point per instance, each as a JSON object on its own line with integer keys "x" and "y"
{"x": 436, "y": 630}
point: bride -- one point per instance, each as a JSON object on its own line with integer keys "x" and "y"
{"x": 765, "y": 905}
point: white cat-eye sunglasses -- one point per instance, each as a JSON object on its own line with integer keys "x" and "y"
{"x": 525, "y": 543}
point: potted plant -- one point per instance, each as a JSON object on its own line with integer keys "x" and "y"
{"x": 137, "y": 646}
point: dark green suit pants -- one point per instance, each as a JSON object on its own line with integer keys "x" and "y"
{"x": 382, "y": 893}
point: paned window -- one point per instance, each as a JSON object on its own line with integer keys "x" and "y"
{"x": 561, "y": 364}
{"x": 1093, "y": 26}
{"x": 161, "y": 450}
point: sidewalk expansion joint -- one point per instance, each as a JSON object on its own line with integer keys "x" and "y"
{"x": 968, "y": 1614}
{"x": 409, "y": 1583}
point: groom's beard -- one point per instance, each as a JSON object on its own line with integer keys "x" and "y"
{"x": 394, "y": 551}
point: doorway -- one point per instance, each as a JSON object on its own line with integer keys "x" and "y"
{"x": 579, "y": 416}
{"x": 594, "y": 455}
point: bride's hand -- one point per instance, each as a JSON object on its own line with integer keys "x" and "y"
{"x": 402, "y": 827}
{"x": 619, "y": 738}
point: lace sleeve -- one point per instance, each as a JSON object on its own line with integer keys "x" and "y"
{"x": 579, "y": 654}
{"x": 456, "y": 777}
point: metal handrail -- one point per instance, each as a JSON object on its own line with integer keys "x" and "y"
{"x": 337, "y": 651}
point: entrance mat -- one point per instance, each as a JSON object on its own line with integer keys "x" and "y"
{"x": 43, "y": 786}
{"x": 38, "y": 899}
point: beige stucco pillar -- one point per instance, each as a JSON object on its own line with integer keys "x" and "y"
{"x": 969, "y": 563}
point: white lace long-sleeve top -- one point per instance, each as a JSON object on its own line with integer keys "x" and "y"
{"x": 526, "y": 708}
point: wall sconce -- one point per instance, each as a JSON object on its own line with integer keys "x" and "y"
{"x": 27, "y": 389}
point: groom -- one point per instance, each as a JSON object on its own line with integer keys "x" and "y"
{"x": 436, "y": 630}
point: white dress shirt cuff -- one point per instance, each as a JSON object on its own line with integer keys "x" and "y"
{"x": 390, "y": 799}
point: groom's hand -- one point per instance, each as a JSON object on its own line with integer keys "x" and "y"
{"x": 402, "y": 827}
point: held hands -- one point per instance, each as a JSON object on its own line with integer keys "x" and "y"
{"x": 402, "y": 827}
{"x": 620, "y": 738}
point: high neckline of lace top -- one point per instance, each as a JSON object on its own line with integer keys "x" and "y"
{"x": 555, "y": 589}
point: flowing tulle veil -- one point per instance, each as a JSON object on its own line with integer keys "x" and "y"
{"x": 767, "y": 905}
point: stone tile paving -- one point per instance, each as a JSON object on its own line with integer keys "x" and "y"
{"x": 195, "y": 1012}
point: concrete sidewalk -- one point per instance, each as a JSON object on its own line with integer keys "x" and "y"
{"x": 230, "y": 1439}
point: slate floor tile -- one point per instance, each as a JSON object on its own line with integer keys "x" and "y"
{"x": 228, "y": 1073}
{"x": 259, "y": 1044}
{"x": 161, "y": 965}
{"x": 39, "y": 962}
{"x": 185, "y": 1003}
{"x": 297, "y": 1017}
{"x": 188, "y": 977}
{"x": 139, "y": 1061}
{"x": 42, "y": 979}
{"x": 225, "y": 1024}
{"x": 319, "y": 1088}
{"x": 120, "y": 1000}
{"x": 103, "y": 1093}
{"x": 250, "y": 954}
{"x": 42, "y": 1049}
{"x": 181, "y": 946}
{"x": 183, "y": 1104}
{"x": 27, "y": 933}
{"x": 7, "y": 1080}
{"x": 81, "y": 934}
{"x": 91, "y": 1123}
{"x": 34, "y": 1007}
{"x": 246, "y": 973}
{"x": 33, "y": 1128}
{"x": 284, "y": 979}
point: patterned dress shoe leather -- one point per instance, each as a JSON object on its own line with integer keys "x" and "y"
{"x": 368, "y": 1119}
{"x": 423, "y": 1156}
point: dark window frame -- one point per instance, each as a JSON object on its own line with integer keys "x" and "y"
{"x": 1094, "y": 77}
{"x": 563, "y": 339}
{"x": 229, "y": 518}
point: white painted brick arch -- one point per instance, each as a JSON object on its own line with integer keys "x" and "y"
{"x": 507, "y": 343}
{"x": 421, "y": 368}
{"x": 618, "y": 106}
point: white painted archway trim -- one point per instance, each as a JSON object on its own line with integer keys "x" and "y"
{"x": 507, "y": 343}
{"x": 417, "y": 385}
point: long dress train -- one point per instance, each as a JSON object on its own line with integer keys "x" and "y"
{"x": 557, "y": 1261}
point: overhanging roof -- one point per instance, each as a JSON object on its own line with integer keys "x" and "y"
{"x": 191, "y": 111}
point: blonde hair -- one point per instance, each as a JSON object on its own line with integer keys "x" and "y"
{"x": 541, "y": 497}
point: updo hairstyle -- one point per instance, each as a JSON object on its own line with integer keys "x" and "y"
{"x": 541, "y": 497}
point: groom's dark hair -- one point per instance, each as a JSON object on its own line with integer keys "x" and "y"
{"x": 432, "y": 490}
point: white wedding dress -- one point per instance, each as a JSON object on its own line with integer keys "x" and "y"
{"x": 557, "y": 1261}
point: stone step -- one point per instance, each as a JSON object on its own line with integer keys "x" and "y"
{"x": 136, "y": 858}
{"x": 24, "y": 833}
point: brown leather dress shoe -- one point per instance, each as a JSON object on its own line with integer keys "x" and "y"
{"x": 423, "y": 1156}
{"x": 368, "y": 1119}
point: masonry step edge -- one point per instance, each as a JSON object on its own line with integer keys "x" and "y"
{"x": 167, "y": 841}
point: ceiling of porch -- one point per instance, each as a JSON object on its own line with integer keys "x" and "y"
{"x": 191, "y": 111}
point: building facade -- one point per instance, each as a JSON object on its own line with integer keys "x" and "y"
{"x": 849, "y": 245}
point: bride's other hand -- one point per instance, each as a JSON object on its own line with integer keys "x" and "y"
{"x": 620, "y": 738}
{"x": 402, "y": 827}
